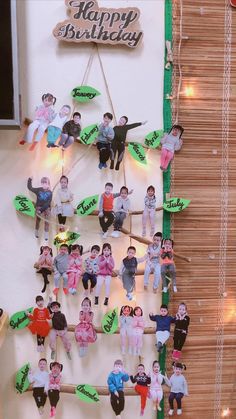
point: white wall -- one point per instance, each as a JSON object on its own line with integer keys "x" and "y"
{"x": 135, "y": 79}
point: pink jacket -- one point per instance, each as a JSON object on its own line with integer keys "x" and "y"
{"x": 54, "y": 382}
{"x": 105, "y": 265}
{"x": 75, "y": 264}
{"x": 138, "y": 323}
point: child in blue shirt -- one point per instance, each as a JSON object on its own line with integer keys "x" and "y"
{"x": 163, "y": 323}
{"x": 115, "y": 383}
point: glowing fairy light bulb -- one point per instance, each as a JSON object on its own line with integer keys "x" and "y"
{"x": 61, "y": 163}
{"x": 189, "y": 92}
{"x": 225, "y": 413}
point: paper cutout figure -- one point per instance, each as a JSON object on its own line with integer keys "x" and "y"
{"x": 138, "y": 324}
{"x": 44, "y": 264}
{"x": 153, "y": 262}
{"x": 43, "y": 204}
{"x": 171, "y": 142}
{"x": 55, "y": 127}
{"x": 40, "y": 380}
{"x": 39, "y": 322}
{"x": 84, "y": 331}
{"x": 122, "y": 208}
{"x": 177, "y": 382}
{"x": 87, "y": 393}
{"x": 59, "y": 328}
{"x": 84, "y": 93}
{"x": 167, "y": 263}
{"x": 163, "y": 323}
{"x": 63, "y": 202}
{"x": 75, "y": 267}
{"x": 176, "y": 204}
{"x": 91, "y": 269}
{"x": 70, "y": 131}
{"x": 24, "y": 205}
{"x": 149, "y": 211}
{"x": 128, "y": 269}
{"x": 126, "y": 320}
{"x": 89, "y": 134}
{"x": 153, "y": 139}
{"x": 115, "y": 383}
{"x": 22, "y": 382}
{"x": 60, "y": 267}
{"x": 67, "y": 237}
{"x": 137, "y": 152}
{"x": 155, "y": 390}
{"x": 106, "y": 265}
{"x": 54, "y": 386}
{"x": 20, "y": 319}
{"x": 182, "y": 321}
{"x": 87, "y": 205}
{"x": 110, "y": 322}
{"x": 44, "y": 114}
{"x": 118, "y": 143}
{"x": 104, "y": 139}
{"x": 143, "y": 381}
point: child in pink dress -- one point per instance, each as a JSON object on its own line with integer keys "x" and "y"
{"x": 75, "y": 267}
{"x": 54, "y": 386}
{"x": 105, "y": 266}
{"x": 137, "y": 331}
{"x": 84, "y": 331}
{"x": 156, "y": 392}
{"x": 171, "y": 142}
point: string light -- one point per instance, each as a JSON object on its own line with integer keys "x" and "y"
{"x": 189, "y": 92}
{"x": 225, "y": 413}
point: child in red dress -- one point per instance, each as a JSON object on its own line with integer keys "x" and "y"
{"x": 39, "y": 322}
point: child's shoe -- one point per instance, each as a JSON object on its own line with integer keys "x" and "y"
{"x": 22, "y": 142}
{"x": 175, "y": 288}
{"x": 117, "y": 166}
{"x": 104, "y": 236}
{"x": 74, "y": 291}
{"x": 100, "y": 166}
{"x": 129, "y": 296}
{"x": 159, "y": 408}
{"x": 141, "y": 412}
{"x": 145, "y": 287}
{"x": 71, "y": 290}
{"x": 52, "y": 412}
{"x": 32, "y": 147}
{"x": 106, "y": 301}
{"x": 171, "y": 412}
{"x": 91, "y": 290}
{"x": 68, "y": 355}
{"x": 65, "y": 291}
{"x": 178, "y": 355}
{"x": 112, "y": 165}
{"x": 36, "y": 233}
{"x": 96, "y": 301}
{"x": 53, "y": 354}
{"x": 154, "y": 290}
{"x": 46, "y": 235}
{"x": 41, "y": 410}
{"x": 55, "y": 291}
{"x": 179, "y": 411}
{"x": 165, "y": 289}
{"x": 115, "y": 233}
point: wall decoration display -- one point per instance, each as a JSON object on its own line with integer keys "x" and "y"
{"x": 67, "y": 237}
{"x": 153, "y": 139}
{"x": 137, "y": 152}
{"x": 87, "y": 205}
{"x": 87, "y": 393}
{"x": 22, "y": 382}
{"x": 20, "y": 319}
{"x": 89, "y": 134}
{"x": 110, "y": 322}
{"x": 84, "y": 94}
{"x": 90, "y": 23}
{"x": 24, "y": 205}
{"x": 176, "y": 204}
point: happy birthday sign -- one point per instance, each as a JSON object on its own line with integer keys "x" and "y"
{"x": 90, "y": 23}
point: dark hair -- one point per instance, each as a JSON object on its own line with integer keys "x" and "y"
{"x": 42, "y": 249}
{"x": 39, "y": 298}
{"x": 76, "y": 114}
{"x": 109, "y": 184}
{"x": 49, "y": 96}
{"x": 64, "y": 177}
{"x": 150, "y": 187}
{"x": 106, "y": 245}
{"x": 164, "y": 306}
{"x": 130, "y": 309}
{"x": 155, "y": 362}
{"x": 183, "y": 304}
{"x": 158, "y": 234}
{"x": 86, "y": 299}
{"x": 95, "y": 247}
{"x": 55, "y": 303}
{"x": 64, "y": 245}
{"x": 135, "y": 308}
{"x": 42, "y": 359}
{"x": 76, "y": 246}
{"x": 179, "y": 127}
{"x": 108, "y": 115}
{"x": 164, "y": 240}
{"x": 179, "y": 365}
{"x": 125, "y": 117}
{"x": 67, "y": 106}
{"x": 141, "y": 365}
{"x": 53, "y": 364}
{"x": 118, "y": 362}
{"x": 123, "y": 188}
{"x": 131, "y": 248}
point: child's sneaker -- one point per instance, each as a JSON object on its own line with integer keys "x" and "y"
{"x": 175, "y": 288}
{"x": 154, "y": 290}
{"x": 74, "y": 291}
{"x": 159, "y": 408}
{"x": 52, "y": 412}
{"x": 141, "y": 412}
{"x": 46, "y": 235}
{"x": 171, "y": 412}
{"x": 115, "y": 233}
{"x": 53, "y": 354}
{"x": 33, "y": 145}
{"x": 36, "y": 233}
{"x": 22, "y": 142}
{"x": 55, "y": 291}
{"x": 100, "y": 166}
{"x": 68, "y": 355}
{"x": 129, "y": 296}
{"x": 65, "y": 291}
{"x": 106, "y": 301}
{"x": 179, "y": 411}
{"x": 165, "y": 289}
{"x": 104, "y": 236}
{"x": 145, "y": 287}
{"x": 41, "y": 410}
{"x": 71, "y": 290}
{"x": 96, "y": 301}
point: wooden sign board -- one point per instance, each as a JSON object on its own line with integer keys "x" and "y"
{"x": 90, "y": 23}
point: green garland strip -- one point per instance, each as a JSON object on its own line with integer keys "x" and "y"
{"x": 167, "y": 122}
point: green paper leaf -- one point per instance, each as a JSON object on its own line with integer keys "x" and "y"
{"x": 67, "y": 237}
{"x": 24, "y": 205}
{"x": 87, "y": 205}
{"x": 137, "y": 152}
{"x": 22, "y": 382}
{"x": 20, "y": 319}
{"x": 153, "y": 139}
{"x": 89, "y": 134}
{"x": 87, "y": 393}
{"x": 176, "y": 204}
{"x": 84, "y": 93}
{"x": 110, "y": 322}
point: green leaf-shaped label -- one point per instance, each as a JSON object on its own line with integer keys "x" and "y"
{"x": 24, "y": 205}
{"x": 89, "y": 134}
{"x": 20, "y": 319}
{"x": 87, "y": 205}
{"x": 87, "y": 393}
{"x": 84, "y": 93}
{"x": 110, "y": 322}
{"x": 153, "y": 139}
{"x": 22, "y": 382}
{"x": 137, "y": 152}
{"x": 176, "y": 204}
{"x": 67, "y": 237}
